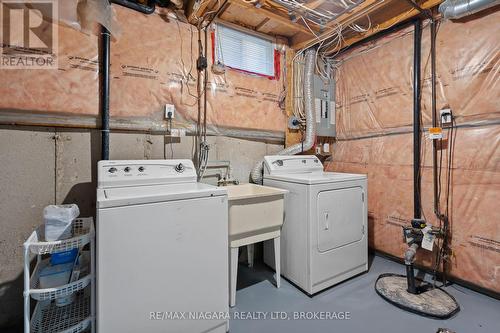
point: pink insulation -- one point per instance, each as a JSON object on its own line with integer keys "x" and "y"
{"x": 374, "y": 118}
{"x": 153, "y": 63}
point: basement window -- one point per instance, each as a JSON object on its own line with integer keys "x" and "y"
{"x": 244, "y": 51}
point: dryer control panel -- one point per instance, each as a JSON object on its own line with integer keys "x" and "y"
{"x": 280, "y": 164}
{"x": 119, "y": 173}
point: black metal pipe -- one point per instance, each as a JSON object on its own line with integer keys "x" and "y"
{"x": 221, "y": 7}
{"x": 145, "y": 9}
{"x": 105, "y": 64}
{"x": 410, "y": 279}
{"x": 105, "y": 60}
{"x": 417, "y": 207}
{"x": 422, "y": 11}
{"x": 205, "y": 85}
{"x": 198, "y": 95}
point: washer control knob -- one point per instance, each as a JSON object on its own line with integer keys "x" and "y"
{"x": 279, "y": 162}
{"x": 127, "y": 169}
{"x": 141, "y": 169}
{"x": 179, "y": 167}
{"x": 112, "y": 170}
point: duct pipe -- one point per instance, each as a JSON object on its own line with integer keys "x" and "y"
{"x": 455, "y": 9}
{"x": 310, "y": 117}
{"x": 150, "y": 9}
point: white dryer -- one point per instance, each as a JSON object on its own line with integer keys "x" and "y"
{"x": 162, "y": 240}
{"x": 324, "y": 236}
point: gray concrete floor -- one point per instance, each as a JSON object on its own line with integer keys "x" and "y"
{"x": 257, "y": 296}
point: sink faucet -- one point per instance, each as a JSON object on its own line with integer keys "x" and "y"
{"x": 225, "y": 182}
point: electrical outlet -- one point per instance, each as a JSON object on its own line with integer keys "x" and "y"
{"x": 446, "y": 116}
{"x": 169, "y": 111}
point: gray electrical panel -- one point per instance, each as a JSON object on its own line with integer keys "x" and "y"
{"x": 324, "y": 104}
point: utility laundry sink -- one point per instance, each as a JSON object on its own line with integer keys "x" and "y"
{"x": 255, "y": 213}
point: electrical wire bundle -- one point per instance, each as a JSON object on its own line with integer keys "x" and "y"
{"x": 441, "y": 256}
{"x": 202, "y": 148}
{"x": 298, "y": 97}
{"x": 317, "y": 16}
{"x": 444, "y": 231}
{"x": 330, "y": 42}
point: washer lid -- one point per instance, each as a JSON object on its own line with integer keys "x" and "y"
{"x": 133, "y": 195}
{"x": 312, "y": 178}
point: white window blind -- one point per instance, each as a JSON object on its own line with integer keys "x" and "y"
{"x": 244, "y": 51}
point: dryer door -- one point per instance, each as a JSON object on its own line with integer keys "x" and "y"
{"x": 340, "y": 218}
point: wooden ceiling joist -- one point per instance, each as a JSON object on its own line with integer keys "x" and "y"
{"x": 195, "y": 10}
{"x": 387, "y": 24}
{"x": 261, "y": 24}
{"x": 271, "y": 15}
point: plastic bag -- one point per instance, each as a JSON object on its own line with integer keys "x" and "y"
{"x": 58, "y": 219}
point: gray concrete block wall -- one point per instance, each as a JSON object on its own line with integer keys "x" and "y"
{"x": 26, "y": 187}
{"x": 77, "y": 153}
{"x": 242, "y": 154}
{"x": 42, "y": 166}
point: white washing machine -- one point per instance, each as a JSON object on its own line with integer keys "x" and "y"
{"x": 324, "y": 236}
{"x": 162, "y": 240}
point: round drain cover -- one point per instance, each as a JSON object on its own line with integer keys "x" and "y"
{"x": 430, "y": 302}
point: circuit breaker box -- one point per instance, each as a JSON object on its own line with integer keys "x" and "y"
{"x": 324, "y": 103}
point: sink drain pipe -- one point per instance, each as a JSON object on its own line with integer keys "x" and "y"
{"x": 308, "y": 141}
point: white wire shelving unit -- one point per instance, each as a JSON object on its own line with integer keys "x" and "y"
{"x": 47, "y": 317}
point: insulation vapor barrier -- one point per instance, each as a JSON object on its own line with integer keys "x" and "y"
{"x": 153, "y": 63}
{"x": 374, "y": 126}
